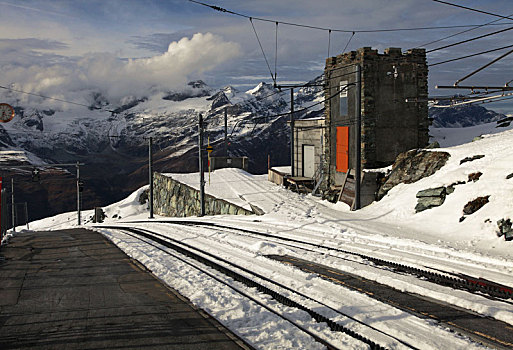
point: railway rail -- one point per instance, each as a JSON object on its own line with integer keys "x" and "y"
{"x": 444, "y": 278}
{"x": 229, "y": 269}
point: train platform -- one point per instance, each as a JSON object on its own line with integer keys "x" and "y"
{"x": 74, "y": 289}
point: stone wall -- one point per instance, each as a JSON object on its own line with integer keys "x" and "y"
{"x": 173, "y": 198}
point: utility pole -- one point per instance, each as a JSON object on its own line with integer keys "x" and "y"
{"x": 78, "y": 193}
{"x": 292, "y": 172}
{"x": 226, "y": 131}
{"x": 26, "y": 215}
{"x": 13, "y": 207}
{"x": 202, "y": 176}
{"x": 150, "y": 172}
{"x": 358, "y": 138}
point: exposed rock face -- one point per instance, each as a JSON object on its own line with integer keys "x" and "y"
{"x": 474, "y": 205}
{"x": 219, "y": 100}
{"x": 505, "y": 229}
{"x": 470, "y": 159}
{"x": 432, "y": 197}
{"x": 412, "y": 166}
{"x": 474, "y": 176}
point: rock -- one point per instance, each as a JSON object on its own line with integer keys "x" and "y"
{"x": 143, "y": 197}
{"x": 505, "y": 229}
{"x": 433, "y": 145}
{"x": 425, "y": 203}
{"x": 474, "y": 176}
{"x": 509, "y": 176}
{"x": 462, "y": 218}
{"x": 470, "y": 159}
{"x": 432, "y": 192}
{"x": 450, "y": 189}
{"x": 474, "y": 205}
{"x": 219, "y": 100}
{"x": 99, "y": 215}
{"x": 412, "y": 166}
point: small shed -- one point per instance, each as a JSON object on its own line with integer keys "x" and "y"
{"x": 309, "y": 147}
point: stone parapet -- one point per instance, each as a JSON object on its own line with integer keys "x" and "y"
{"x": 173, "y": 198}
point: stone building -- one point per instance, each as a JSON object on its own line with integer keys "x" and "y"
{"x": 394, "y": 115}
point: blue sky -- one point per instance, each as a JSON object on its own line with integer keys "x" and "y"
{"x": 47, "y": 46}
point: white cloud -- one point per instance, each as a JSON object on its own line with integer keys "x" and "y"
{"x": 115, "y": 78}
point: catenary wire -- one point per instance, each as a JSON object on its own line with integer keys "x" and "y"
{"x": 472, "y": 9}
{"x": 467, "y": 56}
{"x": 261, "y": 48}
{"x": 469, "y": 40}
{"x": 348, "y": 43}
{"x": 276, "y": 53}
{"x": 329, "y": 42}
{"x": 220, "y": 9}
{"x": 483, "y": 67}
{"x": 462, "y": 32}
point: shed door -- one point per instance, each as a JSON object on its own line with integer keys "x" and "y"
{"x": 308, "y": 160}
{"x": 342, "y": 148}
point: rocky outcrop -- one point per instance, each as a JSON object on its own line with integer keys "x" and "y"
{"x": 219, "y": 100}
{"x": 474, "y": 205}
{"x": 412, "y": 166}
{"x": 432, "y": 197}
{"x": 474, "y": 176}
{"x": 470, "y": 159}
{"x": 505, "y": 229}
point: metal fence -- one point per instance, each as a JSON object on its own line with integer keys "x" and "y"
{"x": 19, "y": 217}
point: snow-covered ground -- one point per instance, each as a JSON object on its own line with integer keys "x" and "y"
{"x": 389, "y": 229}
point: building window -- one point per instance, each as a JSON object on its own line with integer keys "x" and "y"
{"x": 343, "y": 97}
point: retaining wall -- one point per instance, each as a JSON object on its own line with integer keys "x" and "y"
{"x": 173, "y": 198}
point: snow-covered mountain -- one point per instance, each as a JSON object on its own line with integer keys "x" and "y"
{"x": 112, "y": 140}
{"x": 462, "y": 116}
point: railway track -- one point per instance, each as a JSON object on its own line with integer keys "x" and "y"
{"x": 458, "y": 281}
{"x": 264, "y": 285}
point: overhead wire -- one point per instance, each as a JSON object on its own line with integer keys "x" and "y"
{"x": 345, "y": 47}
{"x": 329, "y": 42}
{"x": 276, "y": 53}
{"x": 472, "y": 9}
{"x": 469, "y": 40}
{"x": 261, "y": 48}
{"x": 483, "y": 67}
{"x": 468, "y": 56}
{"x": 220, "y": 9}
{"x": 57, "y": 99}
{"x": 303, "y": 109}
{"x": 462, "y": 32}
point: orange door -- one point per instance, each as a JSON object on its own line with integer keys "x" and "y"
{"x": 342, "y": 148}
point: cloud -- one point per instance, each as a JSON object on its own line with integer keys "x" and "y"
{"x": 156, "y": 42}
{"x": 116, "y": 78}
